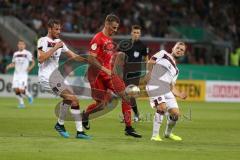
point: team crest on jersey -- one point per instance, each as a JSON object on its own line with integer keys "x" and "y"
{"x": 94, "y": 46}
{"x": 136, "y": 54}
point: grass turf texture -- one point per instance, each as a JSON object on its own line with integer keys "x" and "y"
{"x": 213, "y": 133}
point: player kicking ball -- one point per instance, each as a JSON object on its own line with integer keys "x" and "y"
{"x": 161, "y": 78}
{"x": 103, "y": 51}
{"x": 21, "y": 62}
{"x": 50, "y": 48}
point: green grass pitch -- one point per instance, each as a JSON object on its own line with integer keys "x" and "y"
{"x": 213, "y": 133}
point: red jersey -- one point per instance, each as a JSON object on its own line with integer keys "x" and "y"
{"x": 104, "y": 48}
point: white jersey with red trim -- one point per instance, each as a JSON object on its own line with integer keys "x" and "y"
{"x": 166, "y": 60}
{"x": 47, "y": 67}
{"x": 21, "y": 59}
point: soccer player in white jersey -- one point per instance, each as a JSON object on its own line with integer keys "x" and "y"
{"x": 21, "y": 62}
{"x": 161, "y": 78}
{"x": 50, "y": 48}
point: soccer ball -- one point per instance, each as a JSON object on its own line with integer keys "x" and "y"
{"x": 132, "y": 91}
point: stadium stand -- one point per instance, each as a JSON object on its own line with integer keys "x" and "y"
{"x": 194, "y": 19}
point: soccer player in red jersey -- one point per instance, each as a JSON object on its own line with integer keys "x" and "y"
{"x": 103, "y": 50}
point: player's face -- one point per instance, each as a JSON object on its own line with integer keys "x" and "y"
{"x": 21, "y": 45}
{"x": 112, "y": 28}
{"x": 179, "y": 50}
{"x": 55, "y": 31}
{"x": 136, "y": 33}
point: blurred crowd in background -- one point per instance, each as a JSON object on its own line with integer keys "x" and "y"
{"x": 155, "y": 16}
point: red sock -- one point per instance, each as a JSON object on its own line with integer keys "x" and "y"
{"x": 91, "y": 107}
{"x": 126, "y": 110}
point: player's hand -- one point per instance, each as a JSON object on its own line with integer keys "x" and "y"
{"x": 58, "y": 45}
{"x": 183, "y": 95}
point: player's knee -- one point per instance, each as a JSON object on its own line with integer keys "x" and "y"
{"x": 174, "y": 117}
{"x": 22, "y": 91}
{"x": 68, "y": 102}
{"x": 75, "y": 104}
{"x": 161, "y": 112}
{"x": 17, "y": 93}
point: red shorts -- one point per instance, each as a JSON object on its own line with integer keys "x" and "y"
{"x": 101, "y": 83}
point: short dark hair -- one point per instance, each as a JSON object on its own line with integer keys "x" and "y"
{"x": 136, "y": 27}
{"x": 21, "y": 40}
{"x": 51, "y": 22}
{"x": 112, "y": 18}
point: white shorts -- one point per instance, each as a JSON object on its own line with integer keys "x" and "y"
{"x": 167, "y": 98}
{"x": 56, "y": 86}
{"x": 20, "y": 82}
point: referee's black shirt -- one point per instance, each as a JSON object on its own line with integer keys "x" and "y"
{"x": 135, "y": 52}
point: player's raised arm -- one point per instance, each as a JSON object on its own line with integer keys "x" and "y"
{"x": 149, "y": 68}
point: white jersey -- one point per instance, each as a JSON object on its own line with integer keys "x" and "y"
{"x": 164, "y": 73}
{"x": 47, "y": 67}
{"x": 166, "y": 60}
{"x": 21, "y": 59}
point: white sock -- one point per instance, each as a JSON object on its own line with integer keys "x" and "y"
{"x": 157, "y": 121}
{"x": 20, "y": 99}
{"x": 62, "y": 113}
{"x": 170, "y": 126}
{"x": 78, "y": 120}
{"x": 27, "y": 93}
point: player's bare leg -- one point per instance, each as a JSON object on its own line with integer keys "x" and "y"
{"x": 19, "y": 96}
{"x": 157, "y": 121}
{"x": 172, "y": 119}
{"x": 28, "y": 95}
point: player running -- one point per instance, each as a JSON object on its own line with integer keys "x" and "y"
{"x": 103, "y": 51}
{"x": 50, "y": 48}
{"x": 161, "y": 78}
{"x": 21, "y": 62}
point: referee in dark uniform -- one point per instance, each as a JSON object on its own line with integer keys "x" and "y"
{"x": 136, "y": 53}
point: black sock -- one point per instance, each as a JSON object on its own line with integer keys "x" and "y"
{"x": 134, "y": 106}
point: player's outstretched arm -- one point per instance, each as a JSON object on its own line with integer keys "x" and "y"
{"x": 11, "y": 65}
{"x": 90, "y": 59}
{"x": 177, "y": 93}
{"x": 43, "y": 56}
{"x": 70, "y": 54}
{"x": 32, "y": 65}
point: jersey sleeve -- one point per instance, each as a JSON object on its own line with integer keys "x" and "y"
{"x": 14, "y": 57}
{"x": 30, "y": 56}
{"x": 65, "y": 48}
{"x": 158, "y": 55}
{"x": 41, "y": 44}
{"x": 174, "y": 80}
{"x": 95, "y": 46}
